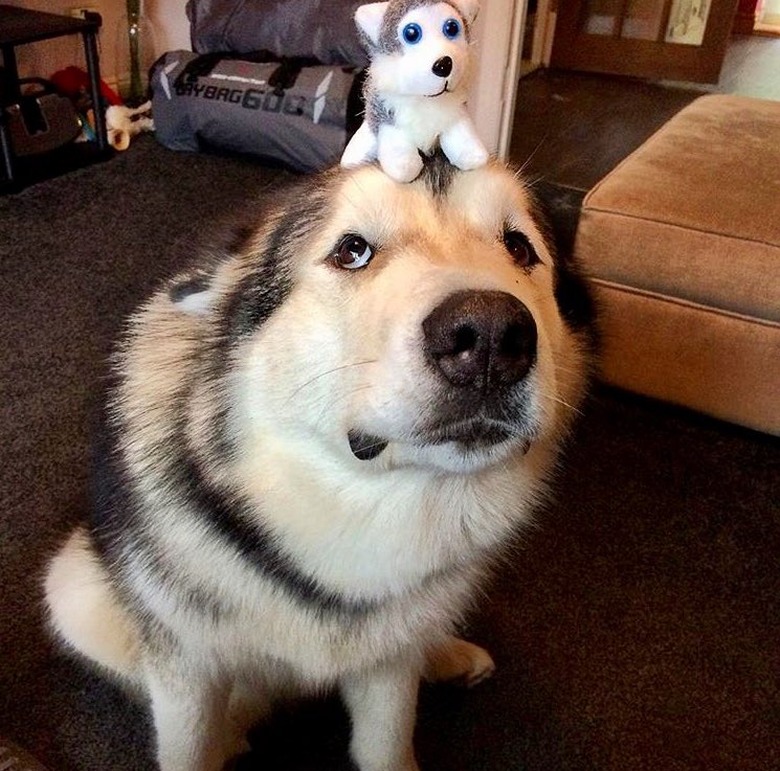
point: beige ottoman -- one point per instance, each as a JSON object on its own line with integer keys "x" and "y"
{"x": 682, "y": 241}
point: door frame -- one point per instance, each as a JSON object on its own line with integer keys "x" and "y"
{"x": 494, "y": 83}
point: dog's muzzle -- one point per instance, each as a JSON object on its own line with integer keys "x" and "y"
{"x": 480, "y": 343}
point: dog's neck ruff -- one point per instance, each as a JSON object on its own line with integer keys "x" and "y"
{"x": 258, "y": 547}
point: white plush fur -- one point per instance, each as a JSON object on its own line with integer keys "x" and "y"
{"x": 426, "y": 110}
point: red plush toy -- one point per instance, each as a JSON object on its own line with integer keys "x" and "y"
{"x": 73, "y": 82}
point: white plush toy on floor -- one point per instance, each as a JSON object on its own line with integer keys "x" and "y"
{"x": 415, "y": 92}
{"x": 123, "y": 123}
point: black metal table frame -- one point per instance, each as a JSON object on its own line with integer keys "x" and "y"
{"x": 31, "y": 27}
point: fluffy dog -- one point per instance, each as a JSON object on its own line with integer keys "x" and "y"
{"x": 416, "y": 89}
{"x": 317, "y": 442}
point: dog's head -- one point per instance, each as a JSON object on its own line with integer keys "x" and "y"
{"x": 417, "y": 47}
{"x": 386, "y": 325}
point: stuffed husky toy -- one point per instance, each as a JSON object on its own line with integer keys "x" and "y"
{"x": 415, "y": 93}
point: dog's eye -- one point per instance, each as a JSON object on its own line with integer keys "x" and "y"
{"x": 353, "y": 252}
{"x": 520, "y": 248}
{"x": 451, "y": 28}
{"x": 412, "y": 33}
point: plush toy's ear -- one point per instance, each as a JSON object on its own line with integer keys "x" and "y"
{"x": 369, "y": 20}
{"x": 469, "y": 9}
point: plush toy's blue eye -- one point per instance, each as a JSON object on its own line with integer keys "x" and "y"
{"x": 451, "y": 28}
{"x": 412, "y": 33}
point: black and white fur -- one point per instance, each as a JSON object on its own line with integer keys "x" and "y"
{"x": 415, "y": 93}
{"x": 316, "y": 444}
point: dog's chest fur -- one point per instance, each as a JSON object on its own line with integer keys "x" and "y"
{"x": 407, "y": 562}
{"x": 249, "y": 618}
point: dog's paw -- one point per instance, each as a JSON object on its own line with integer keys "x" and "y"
{"x": 459, "y": 662}
{"x": 235, "y": 747}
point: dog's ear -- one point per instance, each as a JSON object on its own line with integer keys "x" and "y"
{"x": 369, "y": 20}
{"x": 469, "y": 9}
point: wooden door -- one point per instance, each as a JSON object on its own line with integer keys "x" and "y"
{"x": 655, "y": 39}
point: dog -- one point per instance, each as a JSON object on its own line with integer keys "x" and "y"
{"x": 416, "y": 89}
{"x": 316, "y": 444}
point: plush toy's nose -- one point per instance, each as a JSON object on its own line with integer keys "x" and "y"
{"x": 442, "y": 67}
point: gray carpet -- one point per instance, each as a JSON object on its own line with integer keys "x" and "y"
{"x": 636, "y": 628}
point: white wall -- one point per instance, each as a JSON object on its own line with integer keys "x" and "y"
{"x": 498, "y": 36}
{"x": 770, "y": 12}
{"x": 172, "y": 28}
{"x": 45, "y": 58}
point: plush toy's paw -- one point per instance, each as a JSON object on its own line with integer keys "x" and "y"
{"x": 360, "y": 149}
{"x": 402, "y": 168}
{"x": 398, "y": 155}
{"x": 463, "y": 147}
{"x": 470, "y": 158}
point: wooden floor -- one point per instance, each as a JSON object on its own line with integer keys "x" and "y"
{"x": 752, "y": 67}
{"x": 571, "y": 129}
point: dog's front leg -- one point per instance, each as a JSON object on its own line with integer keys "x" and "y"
{"x": 383, "y": 705}
{"x": 189, "y": 716}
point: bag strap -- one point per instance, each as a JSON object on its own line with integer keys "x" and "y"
{"x": 282, "y": 78}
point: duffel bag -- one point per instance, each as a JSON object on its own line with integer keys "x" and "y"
{"x": 324, "y": 29}
{"x": 293, "y": 112}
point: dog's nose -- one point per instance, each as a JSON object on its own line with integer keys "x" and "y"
{"x": 442, "y": 67}
{"x": 482, "y": 340}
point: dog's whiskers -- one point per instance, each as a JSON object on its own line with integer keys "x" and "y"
{"x": 528, "y": 160}
{"x": 326, "y": 404}
{"x": 328, "y": 372}
{"x": 562, "y": 402}
{"x": 366, "y": 447}
{"x": 531, "y": 182}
